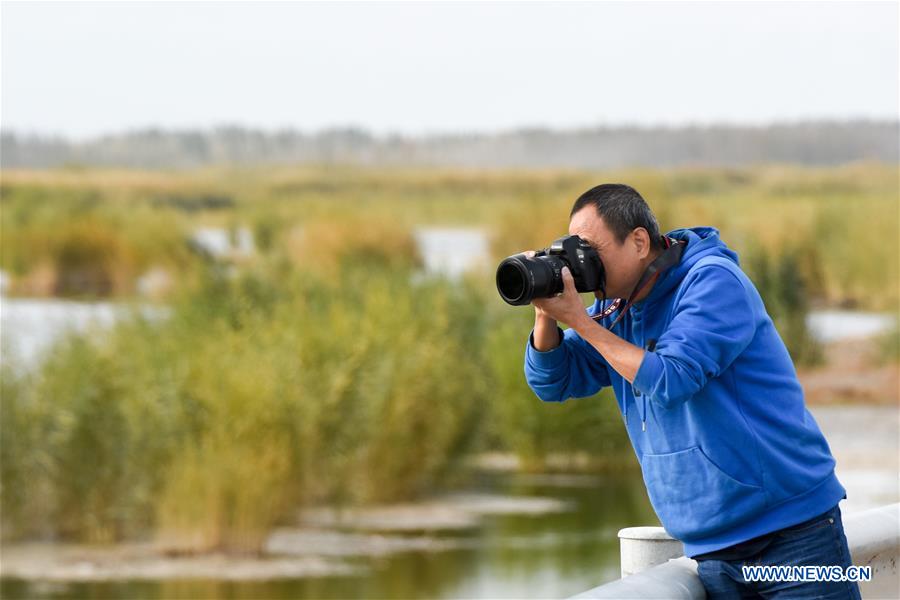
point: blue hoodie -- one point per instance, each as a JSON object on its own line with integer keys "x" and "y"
{"x": 716, "y": 416}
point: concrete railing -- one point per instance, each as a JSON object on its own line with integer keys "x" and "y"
{"x": 653, "y": 565}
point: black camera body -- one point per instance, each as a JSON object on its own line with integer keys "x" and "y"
{"x": 521, "y": 279}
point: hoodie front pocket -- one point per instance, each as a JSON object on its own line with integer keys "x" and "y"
{"x": 693, "y": 497}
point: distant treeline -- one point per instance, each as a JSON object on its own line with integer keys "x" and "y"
{"x": 803, "y": 143}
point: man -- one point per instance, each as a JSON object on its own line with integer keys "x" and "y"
{"x": 735, "y": 466}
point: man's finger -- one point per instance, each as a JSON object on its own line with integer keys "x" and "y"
{"x": 568, "y": 280}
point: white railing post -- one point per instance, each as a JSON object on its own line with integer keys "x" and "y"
{"x": 645, "y": 547}
{"x": 874, "y": 540}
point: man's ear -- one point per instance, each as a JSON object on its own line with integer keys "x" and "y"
{"x": 641, "y": 240}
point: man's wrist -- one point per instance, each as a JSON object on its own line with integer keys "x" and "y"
{"x": 545, "y": 349}
{"x": 546, "y": 339}
{"x": 583, "y": 324}
{"x": 545, "y": 333}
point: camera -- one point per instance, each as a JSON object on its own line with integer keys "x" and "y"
{"x": 521, "y": 279}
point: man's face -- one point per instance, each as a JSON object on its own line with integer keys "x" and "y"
{"x": 624, "y": 262}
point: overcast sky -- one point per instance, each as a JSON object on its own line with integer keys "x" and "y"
{"x": 85, "y": 69}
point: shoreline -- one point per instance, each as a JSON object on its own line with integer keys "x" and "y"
{"x": 325, "y": 542}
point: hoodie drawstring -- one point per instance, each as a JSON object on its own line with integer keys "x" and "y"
{"x": 642, "y": 410}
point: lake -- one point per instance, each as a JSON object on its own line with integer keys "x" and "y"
{"x": 554, "y": 551}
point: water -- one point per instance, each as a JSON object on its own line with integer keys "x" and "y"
{"x": 220, "y": 242}
{"x": 865, "y": 444}
{"x": 836, "y": 325}
{"x": 30, "y": 326}
{"x": 452, "y": 251}
{"x": 448, "y": 251}
{"x": 539, "y": 554}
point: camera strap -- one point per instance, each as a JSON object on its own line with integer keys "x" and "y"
{"x": 670, "y": 257}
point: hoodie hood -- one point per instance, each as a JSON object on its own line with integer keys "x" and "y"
{"x": 701, "y": 242}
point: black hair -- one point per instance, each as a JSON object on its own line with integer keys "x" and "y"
{"x": 622, "y": 209}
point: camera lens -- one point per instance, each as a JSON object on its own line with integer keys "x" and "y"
{"x": 512, "y": 281}
{"x": 521, "y": 279}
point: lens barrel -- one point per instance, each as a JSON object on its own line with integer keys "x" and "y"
{"x": 521, "y": 279}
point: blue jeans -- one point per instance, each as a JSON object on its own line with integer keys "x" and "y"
{"x": 821, "y": 542}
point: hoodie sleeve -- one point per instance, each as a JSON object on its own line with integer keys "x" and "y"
{"x": 713, "y": 322}
{"x": 574, "y": 369}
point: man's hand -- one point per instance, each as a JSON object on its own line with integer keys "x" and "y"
{"x": 546, "y": 336}
{"x": 622, "y": 356}
{"x": 566, "y": 307}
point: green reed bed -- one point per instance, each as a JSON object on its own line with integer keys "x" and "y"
{"x": 269, "y": 390}
{"x": 208, "y": 429}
